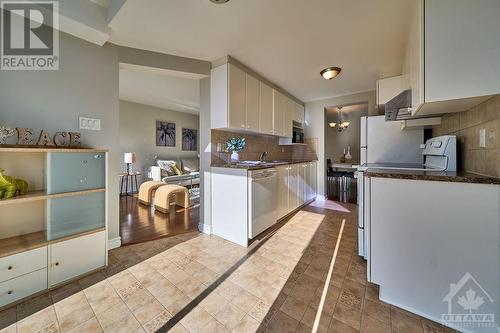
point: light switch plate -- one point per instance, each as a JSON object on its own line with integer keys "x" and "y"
{"x": 482, "y": 138}
{"x": 90, "y": 124}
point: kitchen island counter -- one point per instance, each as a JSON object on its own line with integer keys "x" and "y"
{"x": 264, "y": 165}
{"x": 443, "y": 176}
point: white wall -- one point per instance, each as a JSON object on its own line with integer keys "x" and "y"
{"x": 205, "y": 157}
{"x": 315, "y": 124}
{"x": 138, "y": 134}
{"x": 85, "y": 85}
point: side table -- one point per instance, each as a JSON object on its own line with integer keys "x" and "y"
{"x": 128, "y": 179}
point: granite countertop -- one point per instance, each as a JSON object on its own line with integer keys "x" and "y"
{"x": 443, "y": 176}
{"x": 257, "y": 166}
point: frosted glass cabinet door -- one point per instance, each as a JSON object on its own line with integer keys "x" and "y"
{"x": 71, "y": 215}
{"x": 69, "y": 172}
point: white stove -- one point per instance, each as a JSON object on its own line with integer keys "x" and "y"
{"x": 440, "y": 155}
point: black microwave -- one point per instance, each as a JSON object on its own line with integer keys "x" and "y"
{"x": 298, "y": 135}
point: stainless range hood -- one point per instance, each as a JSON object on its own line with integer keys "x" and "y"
{"x": 399, "y": 108}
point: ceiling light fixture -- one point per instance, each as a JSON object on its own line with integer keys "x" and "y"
{"x": 219, "y": 1}
{"x": 330, "y": 72}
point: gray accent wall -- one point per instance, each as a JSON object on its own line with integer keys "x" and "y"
{"x": 138, "y": 134}
{"x": 85, "y": 85}
{"x": 315, "y": 124}
{"x": 336, "y": 141}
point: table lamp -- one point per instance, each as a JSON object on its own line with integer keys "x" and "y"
{"x": 128, "y": 159}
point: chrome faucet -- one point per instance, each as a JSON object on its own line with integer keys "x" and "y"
{"x": 263, "y": 156}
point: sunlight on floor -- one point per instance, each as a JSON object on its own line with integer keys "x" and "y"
{"x": 330, "y": 205}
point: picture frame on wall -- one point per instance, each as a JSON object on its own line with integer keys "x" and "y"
{"x": 189, "y": 139}
{"x": 165, "y": 134}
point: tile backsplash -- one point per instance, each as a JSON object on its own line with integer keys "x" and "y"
{"x": 257, "y": 143}
{"x": 466, "y": 126}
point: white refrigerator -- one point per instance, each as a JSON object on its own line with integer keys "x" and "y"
{"x": 383, "y": 143}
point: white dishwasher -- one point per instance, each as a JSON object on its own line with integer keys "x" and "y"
{"x": 262, "y": 198}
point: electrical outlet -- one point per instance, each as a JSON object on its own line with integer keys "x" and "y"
{"x": 482, "y": 138}
{"x": 90, "y": 124}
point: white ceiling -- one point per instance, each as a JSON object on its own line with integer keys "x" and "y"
{"x": 287, "y": 41}
{"x": 164, "y": 89}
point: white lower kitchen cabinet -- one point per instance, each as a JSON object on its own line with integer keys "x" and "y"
{"x": 282, "y": 209}
{"x": 234, "y": 216}
{"x": 293, "y": 187}
{"x": 430, "y": 242}
{"x": 73, "y": 257}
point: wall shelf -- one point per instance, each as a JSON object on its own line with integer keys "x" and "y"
{"x": 18, "y": 244}
{"x": 42, "y": 195}
{"x": 14, "y": 245}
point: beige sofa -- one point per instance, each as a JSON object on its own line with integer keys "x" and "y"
{"x": 189, "y": 172}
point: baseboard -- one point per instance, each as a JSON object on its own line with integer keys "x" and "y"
{"x": 114, "y": 243}
{"x": 205, "y": 228}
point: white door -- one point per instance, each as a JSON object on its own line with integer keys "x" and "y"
{"x": 293, "y": 187}
{"x": 76, "y": 256}
{"x": 288, "y": 115}
{"x": 252, "y": 101}
{"x": 302, "y": 183}
{"x": 237, "y": 92}
{"x": 278, "y": 113}
{"x": 266, "y": 109}
{"x": 282, "y": 190}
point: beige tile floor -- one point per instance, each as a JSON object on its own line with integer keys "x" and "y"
{"x": 199, "y": 283}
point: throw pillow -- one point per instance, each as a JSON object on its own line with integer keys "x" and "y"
{"x": 176, "y": 170}
{"x": 167, "y": 166}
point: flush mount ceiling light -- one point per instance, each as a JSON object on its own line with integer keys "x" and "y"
{"x": 219, "y": 1}
{"x": 330, "y": 72}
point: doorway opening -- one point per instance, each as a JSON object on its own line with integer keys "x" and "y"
{"x": 342, "y": 149}
{"x": 159, "y": 158}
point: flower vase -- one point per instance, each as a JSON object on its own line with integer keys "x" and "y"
{"x": 348, "y": 155}
{"x": 235, "y": 157}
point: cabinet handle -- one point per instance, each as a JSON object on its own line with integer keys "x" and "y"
{"x": 248, "y": 126}
{"x": 57, "y": 264}
{"x": 243, "y": 126}
{"x": 9, "y": 268}
{"x": 10, "y": 292}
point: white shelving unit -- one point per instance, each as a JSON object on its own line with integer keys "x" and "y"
{"x": 44, "y": 241}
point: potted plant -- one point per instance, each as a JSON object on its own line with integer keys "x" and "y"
{"x": 235, "y": 145}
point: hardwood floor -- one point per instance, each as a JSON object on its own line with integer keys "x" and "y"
{"x": 139, "y": 223}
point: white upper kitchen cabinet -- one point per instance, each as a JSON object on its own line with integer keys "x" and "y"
{"x": 266, "y": 109}
{"x": 279, "y": 113}
{"x": 299, "y": 112}
{"x": 288, "y": 116}
{"x": 252, "y": 103}
{"x": 237, "y": 97}
{"x": 452, "y": 56}
{"x": 242, "y": 101}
